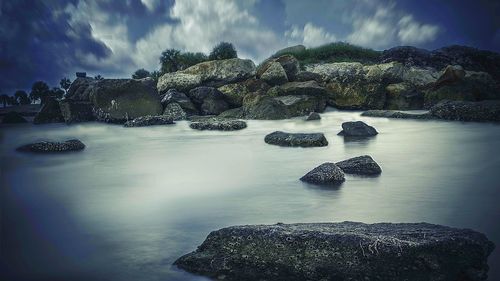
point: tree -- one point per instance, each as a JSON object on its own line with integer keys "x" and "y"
{"x": 4, "y": 99}
{"x": 141, "y": 73}
{"x": 56, "y": 93}
{"x": 65, "y": 83}
{"x": 155, "y": 75}
{"x": 222, "y": 51}
{"x": 98, "y": 77}
{"x": 22, "y": 97}
{"x": 169, "y": 60}
{"x": 188, "y": 59}
{"x": 39, "y": 91}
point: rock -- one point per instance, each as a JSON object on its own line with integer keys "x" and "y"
{"x": 274, "y": 74}
{"x": 236, "y": 92}
{"x": 261, "y": 107}
{"x": 296, "y": 139}
{"x": 342, "y": 72}
{"x": 304, "y": 76}
{"x": 313, "y": 116}
{"x": 403, "y": 96}
{"x": 47, "y": 146}
{"x": 219, "y": 125}
{"x": 303, "y": 104}
{"x": 407, "y": 55}
{"x": 310, "y": 88}
{"x": 49, "y": 113}
{"x": 290, "y": 50}
{"x": 174, "y": 96}
{"x": 178, "y": 81}
{"x": 149, "y": 121}
{"x": 341, "y": 251}
{"x": 484, "y": 111}
{"x": 396, "y": 114}
{"x": 357, "y": 129}
{"x": 13, "y": 117}
{"x": 174, "y": 111}
{"x": 80, "y": 89}
{"x": 451, "y": 74}
{"x": 288, "y": 62}
{"x": 119, "y": 100}
{"x": 326, "y": 173}
{"x": 76, "y": 111}
{"x": 208, "y": 100}
{"x": 356, "y": 96}
{"x": 361, "y": 165}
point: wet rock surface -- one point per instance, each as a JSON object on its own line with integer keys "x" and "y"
{"x": 296, "y": 139}
{"x": 357, "y": 129}
{"x": 341, "y": 251}
{"x": 149, "y": 121}
{"x": 48, "y": 146}
{"x": 361, "y": 165}
{"x": 324, "y": 174}
{"x": 218, "y": 125}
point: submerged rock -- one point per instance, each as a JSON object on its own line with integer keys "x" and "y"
{"x": 47, "y": 146}
{"x": 13, "y": 117}
{"x": 49, "y": 113}
{"x": 357, "y": 129}
{"x": 296, "y": 139}
{"x": 219, "y": 125}
{"x": 326, "y": 173}
{"x": 313, "y": 116}
{"x": 149, "y": 121}
{"x": 341, "y": 251}
{"x": 361, "y": 165}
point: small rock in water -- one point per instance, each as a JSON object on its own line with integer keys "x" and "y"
{"x": 13, "y": 117}
{"x": 313, "y": 116}
{"x": 219, "y": 125}
{"x": 296, "y": 139}
{"x": 357, "y": 129}
{"x": 361, "y": 165}
{"x": 47, "y": 146}
{"x": 326, "y": 173}
{"x": 149, "y": 121}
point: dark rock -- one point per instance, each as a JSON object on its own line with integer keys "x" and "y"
{"x": 484, "y": 111}
{"x": 304, "y": 76}
{"x": 80, "y": 89}
{"x": 357, "y": 129}
{"x": 302, "y": 104}
{"x": 341, "y": 251}
{"x": 174, "y": 111}
{"x": 396, "y": 114}
{"x": 49, "y": 113}
{"x": 296, "y": 139}
{"x": 219, "y": 125}
{"x": 149, "y": 121}
{"x": 313, "y": 116}
{"x": 47, "y": 146}
{"x": 13, "y": 117}
{"x": 210, "y": 101}
{"x": 451, "y": 74}
{"x": 309, "y": 88}
{"x": 288, "y": 62}
{"x": 76, "y": 111}
{"x": 361, "y": 165}
{"x": 326, "y": 173}
{"x": 403, "y": 96}
{"x": 274, "y": 74}
{"x": 410, "y": 56}
{"x": 236, "y": 92}
{"x": 173, "y": 95}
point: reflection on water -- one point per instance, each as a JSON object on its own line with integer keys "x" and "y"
{"x": 138, "y": 198}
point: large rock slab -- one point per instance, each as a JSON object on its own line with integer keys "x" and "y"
{"x": 76, "y": 111}
{"x": 324, "y": 174}
{"x": 49, "y": 147}
{"x": 296, "y": 139}
{"x": 218, "y": 125}
{"x": 274, "y": 74}
{"x": 341, "y": 251}
{"x": 174, "y": 96}
{"x": 50, "y": 112}
{"x": 357, "y": 129}
{"x": 13, "y": 117}
{"x": 208, "y": 100}
{"x": 361, "y": 165}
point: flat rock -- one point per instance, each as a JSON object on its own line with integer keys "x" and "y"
{"x": 357, "y": 129}
{"x": 48, "y": 146}
{"x": 13, "y": 117}
{"x": 149, "y": 121}
{"x": 341, "y": 251}
{"x": 219, "y": 125}
{"x": 326, "y": 173}
{"x": 296, "y": 139}
{"x": 361, "y": 165}
{"x": 313, "y": 116}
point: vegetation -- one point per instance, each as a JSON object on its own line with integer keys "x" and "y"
{"x": 173, "y": 60}
{"x": 22, "y": 97}
{"x": 98, "y": 77}
{"x": 140, "y": 74}
{"x": 39, "y": 91}
{"x": 65, "y": 83}
{"x": 222, "y": 51}
{"x": 336, "y": 52}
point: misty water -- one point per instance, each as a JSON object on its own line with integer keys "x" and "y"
{"x": 138, "y": 198}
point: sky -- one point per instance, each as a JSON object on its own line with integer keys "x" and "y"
{"x": 50, "y": 39}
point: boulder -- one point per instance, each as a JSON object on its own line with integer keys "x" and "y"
{"x": 208, "y": 100}
{"x": 451, "y": 74}
{"x": 326, "y": 173}
{"x": 149, "y": 121}
{"x": 310, "y": 88}
{"x": 178, "y": 81}
{"x": 47, "y": 146}
{"x": 174, "y": 111}
{"x": 261, "y": 107}
{"x": 174, "y": 96}
{"x": 358, "y": 95}
{"x": 304, "y": 76}
{"x": 76, "y": 111}
{"x": 313, "y": 116}
{"x": 403, "y": 96}
{"x": 341, "y": 251}
{"x": 236, "y": 92}
{"x": 483, "y": 111}
{"x": 299, "y": 105}
{"x": 357, "y": 129}
{"x": 80, "y": 89}
{"x": 119, "y": 100}
{"x": 13, "y": 117}
{"x": 274, "y": 74}
{"x": 396, "y": 114}
{"x": 361, "y": 165}
{"x": 49, "y": 113}
{"x": 288, "y": 62}
{"x": 219, "y": 125}
{"x": 296, "y": 139}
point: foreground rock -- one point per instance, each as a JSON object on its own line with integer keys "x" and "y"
{"x": 219, "y": 125}
{"x": 76, "y": 111}
{"x": 341, "y": 251}
{"x": 313, "y": 116}
{"x": 324, "y": 174}
{"x": 296, "y": 139}
{"x": 149, "y": 121}
{"x": 13, "y": 117}
{"x": 208, "y": 100}
{"x": 47, "y": 146}
{"x": 357, "y": 129}
{"x": 361, "y": 165}
{"x": 484, "y": 111}
{"x": 50, "y": 112}
{"x": 174, "y": 96}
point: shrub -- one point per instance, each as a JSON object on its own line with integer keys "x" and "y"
{"x": 173, "y": 60}
{"x": 222, "y": 51}
{"x": 141, "y": 73}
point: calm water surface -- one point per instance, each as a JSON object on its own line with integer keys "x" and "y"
{"x": 138, "y": 198}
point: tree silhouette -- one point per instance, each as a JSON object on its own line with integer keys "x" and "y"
{"x": 222, "y": 51}
{"x": 169, "y": 60}
{"x": 141, "y": 73}
{"x": 22, "y": 97}
{"x": 4, "y": 99}
{"x": 39, "y": 91}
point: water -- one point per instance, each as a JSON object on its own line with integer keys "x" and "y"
{"x": 138, "y": 198}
